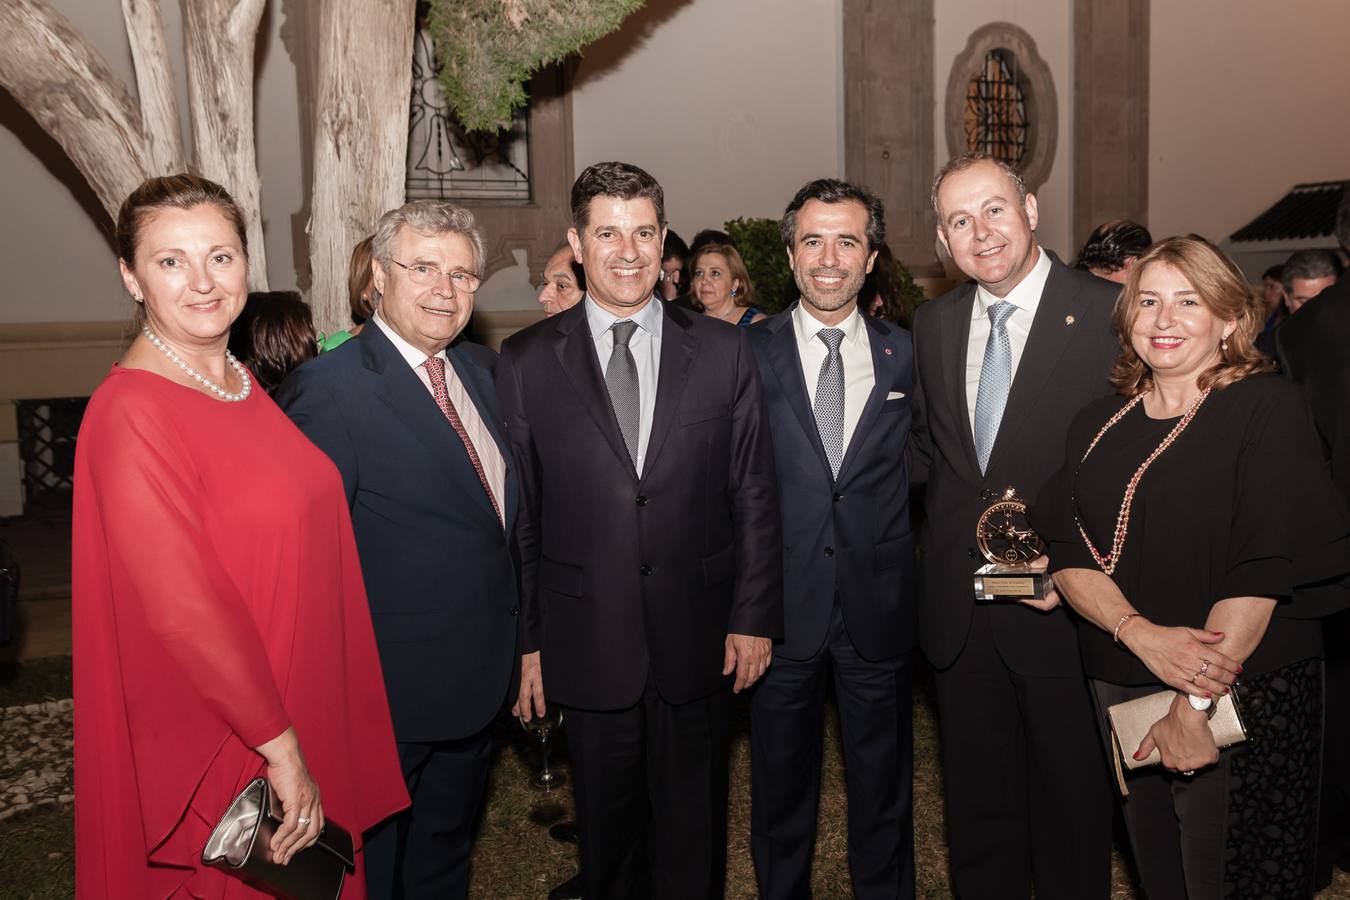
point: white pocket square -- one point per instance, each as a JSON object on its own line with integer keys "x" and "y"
{"x": 895, "y": 395}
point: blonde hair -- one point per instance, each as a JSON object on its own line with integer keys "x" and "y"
{"x": 745, "y": 297}
{"x": 1222, "y": 289}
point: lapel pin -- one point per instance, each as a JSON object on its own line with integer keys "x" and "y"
{"x": 1069, "y": 320}
{"x": 886, "y": 350}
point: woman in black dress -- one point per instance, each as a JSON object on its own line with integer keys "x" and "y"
{"x": 1194, "y": 529}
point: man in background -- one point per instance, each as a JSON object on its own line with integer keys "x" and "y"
{"x": 1312, "y": 349}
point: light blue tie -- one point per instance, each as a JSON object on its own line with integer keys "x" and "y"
{"x": 995, "y": 381}
{"x": 829, "y": 405}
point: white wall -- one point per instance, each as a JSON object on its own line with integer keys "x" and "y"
{"x": 1246, "y": 99}
{"x": 61, "y": 264}
{"x": 731, "y": 104}
{"x": 1050, "y": 24}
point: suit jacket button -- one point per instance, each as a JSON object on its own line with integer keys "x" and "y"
{"x": 646, "y": 570}
{"x": 642, "y": 500}
{"x": 829, "y": 551}
{"x": 515, "y": 610}
{"x": 837, "y": 497}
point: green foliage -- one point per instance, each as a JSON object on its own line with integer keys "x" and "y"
{"x": 909, "y": 294}
{"x": 761, "y": 247}
{"x": 488, "y": 49}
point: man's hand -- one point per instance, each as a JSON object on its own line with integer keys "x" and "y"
{"x": 748, "y": 657}
{"x": 530, "y": 703}
{"x": 1051, "y": 598}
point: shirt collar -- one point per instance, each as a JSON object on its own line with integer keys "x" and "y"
{"x": 648, "y": 318}
{"x": 1027, "y": 294}
{"x": 808, "y": 326}
{"x": 411, "y": 355}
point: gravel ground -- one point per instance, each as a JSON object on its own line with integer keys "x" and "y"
{"x": 35, "y": 763}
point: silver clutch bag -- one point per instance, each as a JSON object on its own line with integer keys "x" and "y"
{"x": 1131, "y": 720}
{"x": 241, "y": 846}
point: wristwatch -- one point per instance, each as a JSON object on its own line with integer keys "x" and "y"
{"x": 1202, "y": 704}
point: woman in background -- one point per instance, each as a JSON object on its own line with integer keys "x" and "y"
{"x": 273, "y": 336}
{"x": 722, "y": 285}
{"x": 361, "y": 295}
{"x": 221, "y": 629}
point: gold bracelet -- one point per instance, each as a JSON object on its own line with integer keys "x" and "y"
{"x": 1115, "y": 635}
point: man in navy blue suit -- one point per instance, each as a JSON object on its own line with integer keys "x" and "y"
{"x": 837, "y": 385}
{"x": 413, "y": 425}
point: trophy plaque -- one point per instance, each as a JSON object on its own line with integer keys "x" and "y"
{"x": 1007, "y": 541}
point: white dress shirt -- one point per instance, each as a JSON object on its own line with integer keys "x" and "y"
{"x": 645, "y": 345}
{"x": 494, "y": 465}
{"x": 856, "y": 352}
{"x": 1025, "y": 297}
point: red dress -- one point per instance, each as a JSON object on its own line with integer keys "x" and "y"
{"x": 217, "y": 600}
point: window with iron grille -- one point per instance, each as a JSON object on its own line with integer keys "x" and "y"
{"x": 1001, "y": 101}
{"x": 996, "y": 109}
{"x": 446, "y": 162}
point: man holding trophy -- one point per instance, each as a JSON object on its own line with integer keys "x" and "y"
{"x": 1003, "y": 364}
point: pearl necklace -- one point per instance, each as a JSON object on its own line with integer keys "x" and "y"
{"x": 199, "y": 377}
{"x": 1108, "y": 561}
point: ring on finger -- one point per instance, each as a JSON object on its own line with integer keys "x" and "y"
{"x": 1204, "y": 666}
{"x": 1195, "y": 679}
{"x": 304, "y": 820}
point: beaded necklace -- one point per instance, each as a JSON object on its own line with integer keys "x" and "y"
{"x": 1108, "y": 561}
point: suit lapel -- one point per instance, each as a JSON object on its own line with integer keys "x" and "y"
{"x": 678, "y": 349}
{"x": 884, "y": 368}
{"x": 786, "y": 363}
{"x": 954, "y": 343}
{"x": 399, "y": 389}
{"x": 477, "y": 382}
{"x": 1051, "y": 331}
{"x": 575, "y": 349}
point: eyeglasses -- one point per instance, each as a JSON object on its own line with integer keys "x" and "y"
{"x": 429, "y": 275}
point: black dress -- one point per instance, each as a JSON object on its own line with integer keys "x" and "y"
{"x": 1239, "y": 505}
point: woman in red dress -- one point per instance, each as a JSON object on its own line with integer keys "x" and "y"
{"x": 220, "y": 622}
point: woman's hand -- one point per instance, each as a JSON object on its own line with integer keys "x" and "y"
{"x": 299, "y": 796}
{"x": 1182, "y": 737}
{"x": 1182, "y": 658}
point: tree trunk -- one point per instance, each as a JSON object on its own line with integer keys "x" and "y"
{"x": 154, "y": 85}
{"x": 66, "y": 87}
{"x": 218, "y": 41}
{"x": 360, "y": 137}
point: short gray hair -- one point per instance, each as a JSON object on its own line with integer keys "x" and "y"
{"x": 961, "y": 163}
{"x": 1310, "y": 264}
{"x": 428, "y": 217}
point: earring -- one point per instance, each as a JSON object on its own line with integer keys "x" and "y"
{"x": 734, "y": 292}
{"x": 1223, "y": 344}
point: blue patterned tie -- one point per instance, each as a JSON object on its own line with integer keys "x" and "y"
{"x": 995, "y": 381}
{"x": 829, "y": 406}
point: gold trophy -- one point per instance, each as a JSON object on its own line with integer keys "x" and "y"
{"x": 1007, "y": 541}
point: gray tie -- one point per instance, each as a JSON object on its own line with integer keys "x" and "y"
{"x": 830, "y": 398}
{"x": 621, "y": 377}
{"x": 995, "y": 381}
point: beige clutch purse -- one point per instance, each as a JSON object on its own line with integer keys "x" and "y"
{"x": 1130, "y": 722}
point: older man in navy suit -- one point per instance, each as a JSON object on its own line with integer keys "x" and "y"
{"x": 414, "y": 427}
{"x": 837, "y": 385}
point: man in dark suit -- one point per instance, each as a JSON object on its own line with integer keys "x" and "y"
{"x": 837, "y": 386}
{"x": 1003, "y": 365}
{"x": 416, "y": 431}
{"x": 1311, "y": 347}
{"x": 651, "y": 556}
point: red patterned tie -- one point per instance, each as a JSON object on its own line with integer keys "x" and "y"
{"x": 435, "y": 367}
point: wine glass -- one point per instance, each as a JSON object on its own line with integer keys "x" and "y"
{"x": 542, "y": 727}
